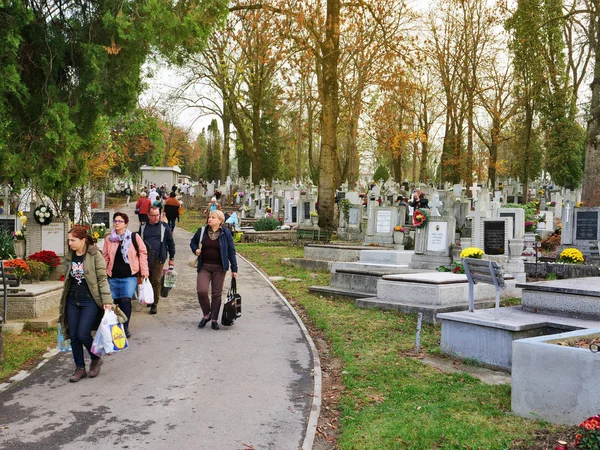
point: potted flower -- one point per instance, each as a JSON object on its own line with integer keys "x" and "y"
{"x": 21, "y": 269}
{"x": 471, "y": 252}
{"x": 571, "y": 256}
{"x": 530, "y": 226}
{"x": 589, "y": 433}
{"x": 314, "y": 217}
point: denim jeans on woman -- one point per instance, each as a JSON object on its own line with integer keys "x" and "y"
{"x": 82, "y": 315}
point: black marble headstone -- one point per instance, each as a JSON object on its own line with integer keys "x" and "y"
{"x": 586, "y": 226}
{"x": 101, "y": 217}
{"x": 8, "y": 225}
{"x": 306, "y": 210}
{"x": 294, "y": 214}
{"x": 494, "y": 235}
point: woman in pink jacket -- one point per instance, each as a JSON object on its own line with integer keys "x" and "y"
{"x": 124, "y": 262}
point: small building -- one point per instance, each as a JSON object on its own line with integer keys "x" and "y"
{"x": 160, "y": 175}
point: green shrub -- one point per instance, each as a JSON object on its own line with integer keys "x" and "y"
{"x": 39, "y": 270}
{"x": 7, "y": 250}
{"x": 266, "y": 224}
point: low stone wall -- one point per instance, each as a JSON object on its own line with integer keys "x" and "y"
{"x": 562, "y": 271}
{"x": 269, "y": 236}
{"x": 32, "y": 307}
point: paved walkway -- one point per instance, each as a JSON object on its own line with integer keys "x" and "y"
{"x": 177, "y": 386}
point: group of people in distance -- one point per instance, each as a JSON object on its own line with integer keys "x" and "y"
{"x": 97, "y": 280}
{"x": 169, "y": 205}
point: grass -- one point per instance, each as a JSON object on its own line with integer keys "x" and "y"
{"x": 23, "y": 350}
{"x": 392, "y": 400}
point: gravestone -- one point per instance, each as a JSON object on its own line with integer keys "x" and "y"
{"x": 101, "y": 217}
{"x": 432, "y": 243}
{"x": 518, "y": 219}
{"x": 54, "y": 237}
{"x": 8, "y": 223}
{"x": 380, "y": 230}
{"x": 495, "y": 236}
{"x": 582, "y": 229}
{"x": 586, "y": 225}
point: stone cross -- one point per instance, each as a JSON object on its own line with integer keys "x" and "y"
{"x": 474, "y": 189}
{"x": 434, "y": 205}
{"x": 568, "y": 208}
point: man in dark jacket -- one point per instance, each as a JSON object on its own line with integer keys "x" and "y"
{"x": 160, "y": 244}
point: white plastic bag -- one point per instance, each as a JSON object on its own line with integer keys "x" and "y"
{"x": 110, "y": 337}
{"x": 145, "y": 292}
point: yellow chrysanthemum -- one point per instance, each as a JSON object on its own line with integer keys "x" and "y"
{"x": 571, "y": 256}
{"x": 472, "y": 252}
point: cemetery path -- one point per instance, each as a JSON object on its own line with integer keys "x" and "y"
{"x": 177, "y": 386}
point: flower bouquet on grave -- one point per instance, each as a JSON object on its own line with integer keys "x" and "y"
{"x": 571, "y": 256}
{"x": 471, "y": 252}
{"x": 589, "y": 434}
{"x": 43, "y": 215}
{"x": 420, "y": 218}
{"x": 98, "y": 230}
{"x": 18, "y": 235}
{"x": 531, "y": 226}
{"x": 400, "y": 229}
{"x": 20, "y": 266}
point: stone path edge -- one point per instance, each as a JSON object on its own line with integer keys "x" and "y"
{"x": 311, "y": 427}
{"x": 24, "y": 374}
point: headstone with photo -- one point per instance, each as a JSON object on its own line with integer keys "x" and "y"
{"x": 432, "y": 243}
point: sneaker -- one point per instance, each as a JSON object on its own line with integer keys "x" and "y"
{"x": 78, "y": 375}
{"x": 95, "y": 368}
{"x": 153, "y": 309}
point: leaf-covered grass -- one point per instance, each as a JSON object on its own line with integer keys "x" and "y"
{"x": 391, "y": 400}
{"x": 23, "y": 350}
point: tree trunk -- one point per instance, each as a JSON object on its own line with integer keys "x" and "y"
{"x": 225, "y": 165}
{"x": 493, "y": 148}
{"x": 328, "y": 170}
{"x": 591, "y": 187}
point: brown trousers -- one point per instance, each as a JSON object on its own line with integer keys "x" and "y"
{"x": 214, "y": 275}
{"x": 155, "y": 278}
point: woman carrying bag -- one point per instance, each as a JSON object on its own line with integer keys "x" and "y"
{"x": 86, "y": 295}
{"x": 215, "y": 254}
{"x": 125, "y": 260}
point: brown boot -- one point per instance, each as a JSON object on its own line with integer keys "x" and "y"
{"x": 95, "y": 368}
{"x": 78, "y": 375}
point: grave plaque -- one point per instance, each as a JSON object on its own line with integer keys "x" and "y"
{"x": 294, "y": 214}
{"x": 53, "y": 238}
{"x": 339, "y": 196}
{"x": 587, "y": 225}
{"x": 8, "y": 224}
{"x": 354, "y": 216}
{"x": 101, "y": 217}
{"x": 494, "y": 236}
{"x": 384, "y": 221}
{"x": 437, "y": 236}
{"x": 306, "y": 210}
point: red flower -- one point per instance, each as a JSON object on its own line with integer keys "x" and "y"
{"x": 47, "y": 257}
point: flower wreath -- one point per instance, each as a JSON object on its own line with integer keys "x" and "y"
{"x": 43, "y": 215}
{"x": 420, "y": 218}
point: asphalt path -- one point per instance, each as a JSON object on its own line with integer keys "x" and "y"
{"x": 249, "y": 386}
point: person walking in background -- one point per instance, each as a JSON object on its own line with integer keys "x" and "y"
{"x": 172, "y": 206}
{"x": 212, "y": 206}
{"x": 160, "y": 246}
{"x": 216, "y": 253}
{"x": 85, "y": 295}
{"x": 125, "y": 259}
{"x": 128, "y": 193}
{"x": 142, "y": 206}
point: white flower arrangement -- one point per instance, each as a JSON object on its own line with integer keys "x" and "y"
{"x": 43, "y": 215}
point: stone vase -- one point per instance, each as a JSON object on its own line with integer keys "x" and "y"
{"x": 19, "y": 246}
{"x": 398, "y": 237}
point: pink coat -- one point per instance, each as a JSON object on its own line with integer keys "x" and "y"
{"x": 137, "y": 264}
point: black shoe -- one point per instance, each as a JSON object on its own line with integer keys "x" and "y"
{"x": 214, "y": 325}
{"x": 203, "y": 322}
{"x": 153, "y": 309}
{"x": 127, "y": 334}
{"x": 148, "y": 305}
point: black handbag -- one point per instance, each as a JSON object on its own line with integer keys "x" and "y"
{"x": 232, "y": 309}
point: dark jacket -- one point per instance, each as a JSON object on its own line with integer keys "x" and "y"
{"x": 422, "y": 203}
{"x": 167, "y": 245}
{"x": 225, "y": 243}
{"x": 94, "y": 267}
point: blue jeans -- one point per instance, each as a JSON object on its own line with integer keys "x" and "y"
{"x": 82, "y": 316}
{"x": 172, "y": 223}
